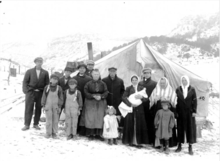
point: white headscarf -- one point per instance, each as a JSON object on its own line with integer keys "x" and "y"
{"x": 135, "y": 86}
{"x": 185, "y": 88}
{"x": 166, "y": 93}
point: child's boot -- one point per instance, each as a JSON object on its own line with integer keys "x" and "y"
{"x": 179, "y": 148}
{"x": 190, "y": 150}
{"x": 115, "y": 141}
{"x": 109, "y": 141}
{"x": 167, "y": 150}
{"x": 162, "y": 145}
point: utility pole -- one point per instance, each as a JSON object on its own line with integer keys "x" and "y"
{"x": 90, "y": 51}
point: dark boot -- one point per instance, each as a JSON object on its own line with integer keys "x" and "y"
{"x": 167, "y": 150}
{"x": 162, "y": 145}
{"x": 115, "y": 141}
{"x": 109, "y": 141}
{"x": 25, "y": 128}
{"x": 190, "y": 150}
{"x": 179, "y": 148}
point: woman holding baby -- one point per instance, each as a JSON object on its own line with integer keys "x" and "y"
{"x": 135, "y": 128}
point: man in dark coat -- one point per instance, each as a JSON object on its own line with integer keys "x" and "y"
{"x": 89, "y": 67}
{"x": 35, "y": 80}
{"x": 149, "y": 84}
{"x": 82, "y": 79}
{"x": 116, "y": 88}
{"x": 63, "y": 81}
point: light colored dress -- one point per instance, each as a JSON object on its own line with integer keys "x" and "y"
{"x": 110, "y": 121}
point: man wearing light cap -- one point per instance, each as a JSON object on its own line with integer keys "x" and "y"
{"x": 35, "y": 80}
{"x": 90, "y": 66}
{"x": 149, "y": 84}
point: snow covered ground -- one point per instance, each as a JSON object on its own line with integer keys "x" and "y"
{"x": 18, "y": 145}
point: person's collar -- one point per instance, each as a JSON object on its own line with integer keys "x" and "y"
{"x": 81, "y": 75}
{"x": 147, "y": 79}
{"x": 113, "y": 78}
{"x": 37, "y": 69}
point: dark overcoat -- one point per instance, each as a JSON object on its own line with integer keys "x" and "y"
{"x": 116, "y": 89}
{"x": 185, "y": 121}
{"x": 149, "y": 84}
{"x": 137, "y": 117}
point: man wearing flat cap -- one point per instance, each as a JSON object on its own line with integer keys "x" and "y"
{"x": 116, "y": 88}
{"x": 89, "y": 67}
{"x": 82, "y": 79}
{"x": 35, "y": 80}
{"x": 149, "y": 84}
{"x": 63, "y": 81}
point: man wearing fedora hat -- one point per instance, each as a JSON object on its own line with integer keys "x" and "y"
{"x": 34, "y": 82}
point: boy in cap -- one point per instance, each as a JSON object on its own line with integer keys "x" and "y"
{"x": 72, "y": 107}
{"x": 35, "y": 80}
{"x": 164, "y": 122}
{"x": 52, "y": 101}
{"x": 63, "y": 81}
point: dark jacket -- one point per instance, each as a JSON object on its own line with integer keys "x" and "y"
{"x": 116, "y": 89}
{"x": 82, "y": 80}
{"x": 185, "y": 108}
{"x": 62, "y": 83}
{"x": 134, "y": 121}
{"x": 149, "y": 84}
{"x": 31, "y": 82}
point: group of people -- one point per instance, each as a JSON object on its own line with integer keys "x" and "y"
{"x": 91, "y": 107}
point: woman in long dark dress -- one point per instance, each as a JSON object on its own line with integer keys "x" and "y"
{"x": 162, "y": 92}
{"x": 186, "y": 111}
{"x": 95, "y": 105}
{"x": 135, "y": 128}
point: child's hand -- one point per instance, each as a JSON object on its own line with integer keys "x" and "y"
{"x": 78, "y": 113}
{"x": 108, "y": 129}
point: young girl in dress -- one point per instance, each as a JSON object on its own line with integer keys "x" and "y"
{"x": 110, "y": 130}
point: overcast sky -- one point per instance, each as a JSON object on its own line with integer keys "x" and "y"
{"x": 29, "y": 21}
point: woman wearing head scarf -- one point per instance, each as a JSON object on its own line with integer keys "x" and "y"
{"x": 135, "y": 128}
{"x": 186, "y": 111}
{"x": 162, "y": 92}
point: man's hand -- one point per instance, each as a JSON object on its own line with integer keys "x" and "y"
{"x": 194, "y": 114}
{"x": 44, "y": 109}
{"x": 58, "y": 110}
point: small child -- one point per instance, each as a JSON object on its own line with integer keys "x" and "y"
{"x": 164, "y": 122}
{"x": 72, "y": 106}
{"x": 52, "y": 100}
{"x": 110, "y": 130}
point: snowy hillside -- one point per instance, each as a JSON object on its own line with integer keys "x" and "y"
{"x": 199, "y": 26}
